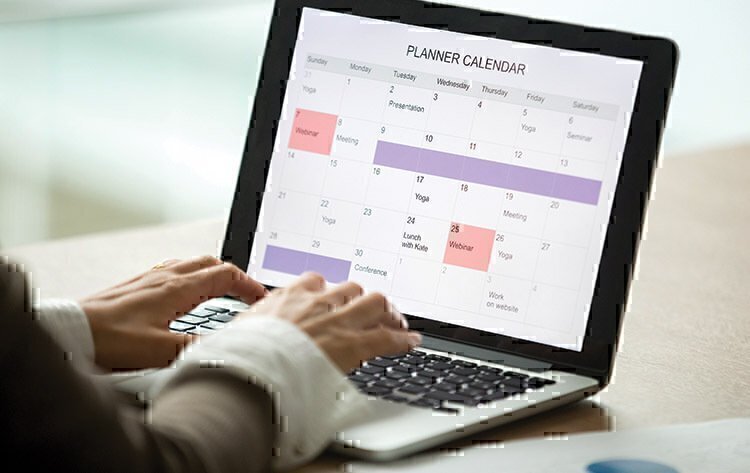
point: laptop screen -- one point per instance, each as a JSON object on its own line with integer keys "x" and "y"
{"x": 469, "y": 178}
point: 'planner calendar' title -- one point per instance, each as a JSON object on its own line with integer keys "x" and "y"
{"x": 469, "y": 60}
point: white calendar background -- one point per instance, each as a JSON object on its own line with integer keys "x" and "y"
{"x": 382, "y": 176}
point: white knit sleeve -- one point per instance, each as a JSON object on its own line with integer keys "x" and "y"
{"x": 312, "y": 398}
{"x": 68, "y": 325}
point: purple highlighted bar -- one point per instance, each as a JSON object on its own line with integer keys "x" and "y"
{"x": 489, "y": 173}
{"x": 297, "y": 262}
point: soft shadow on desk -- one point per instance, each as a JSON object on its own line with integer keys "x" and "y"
{"x": 584, "y": 416}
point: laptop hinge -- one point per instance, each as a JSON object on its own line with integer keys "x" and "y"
{"x": 484, "y": 354}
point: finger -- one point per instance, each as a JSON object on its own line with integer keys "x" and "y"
{"x": 386, "y": 341}
{"x": 157, "y": 267}
{"x": 188, "y": 290}
{"x": 343, "y": 293}
{"x": 192, "y": 264}
{"x": 309, "y": 281}
{"x": 370, "y": 311}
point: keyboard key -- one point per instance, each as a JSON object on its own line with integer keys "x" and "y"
{"x": 376, "y": 390}
{"x": 496, "y": 396}
{"x": 455, "y": 379}
{"x": 397, "y": 375}
{"x": 490, "y": 369}
{"x": 461, "y": 371}
{"x": 426, "y": 402}
{"x": 382, "y": 362}
{"x": 413, "y": 389}
{"x": 432, "y": 374}
{"x": 202, "y": 312}
{"x": 513, "y": 374}
{"x": 489, "y": 377}
{"x": 511, "y": 381}
{"x": 414, "y": 360}
{"x": 199, "y": 330}
{"x": 439, "y": 366}
{"x": 221, "y": 318}
{"x": 372, "y": 370}
{"x": 180, "y": 326}
{"x": 387, "y": 383}
{"x": 192, "y": 320}
{"x": 535, "y": 383}
{"x": 448, "y": 387}
{"x": 358, "y": 384}
{"x": 512, "y": 390}
{"x": 421, "y": 380}
{"x": 233, "y": 312}
{"x": 465, "y": 364}
{"x": 393, "y": 357}
{"x": 472, "y": 392}
{"x": 214, "y": 325}
{"x": 396, "y": 398}
{"x": 485, "y": 385}
{"x": 362, "y": 377}
{"x": 406, "y": 368}
{"x": 452, "y": 397}
{"x": 417, "y": 353}
{"x": 447, "y": 410}
{"x": 219, "y": 310}
{"x": 501, "y": 394}
{"x": 437, "y": 358}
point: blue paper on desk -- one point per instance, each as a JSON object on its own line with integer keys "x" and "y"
{"x": 718, "y": 446}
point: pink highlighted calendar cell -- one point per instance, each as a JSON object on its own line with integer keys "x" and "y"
{"x": 312, "y": 131}
{"x": 469, "y": 247}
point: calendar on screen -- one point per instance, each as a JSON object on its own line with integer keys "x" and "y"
{"x": 468, "y": 178}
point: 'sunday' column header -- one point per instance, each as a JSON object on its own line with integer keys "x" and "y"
{"x": 466, "y": 87}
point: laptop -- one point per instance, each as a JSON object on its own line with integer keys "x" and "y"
{"x": 489, "y": 173}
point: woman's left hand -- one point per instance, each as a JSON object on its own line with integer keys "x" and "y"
{"x": 130, "y": 322}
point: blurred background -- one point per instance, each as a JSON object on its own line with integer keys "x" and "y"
{"x": 119, "y": 113}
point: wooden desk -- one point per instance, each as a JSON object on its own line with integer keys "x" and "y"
{"x": 686, "y": 337}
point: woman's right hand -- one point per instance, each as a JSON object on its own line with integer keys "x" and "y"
{"x": 349, "y": 326}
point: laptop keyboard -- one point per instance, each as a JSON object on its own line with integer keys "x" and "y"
{"x": 203, "y": 321}
{"x": 416, "y": 378}
{"x": 428, "y": 380}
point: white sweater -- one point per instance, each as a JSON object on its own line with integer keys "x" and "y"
{"x": 313, "y": 400}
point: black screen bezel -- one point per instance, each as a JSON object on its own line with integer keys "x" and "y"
{"x": 659, "y": 56}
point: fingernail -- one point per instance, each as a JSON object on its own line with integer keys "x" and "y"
{"x": 399, "y": 316}
{"x": 415, "y": 339}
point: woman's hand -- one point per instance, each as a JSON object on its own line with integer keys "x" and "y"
{"x": 348, "y": 326}
{"x": 130, "y": 322}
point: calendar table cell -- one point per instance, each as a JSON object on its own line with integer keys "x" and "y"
{"x": 379, "y": 228}
{"x": 469, "y": 246}
{"x": 294, "y": 212}
{"x": 514, "y": 255}
{"x": 551, "y": 307}
{"x": 291, "y": 261}
{"x": 431, "y": 195}
{"x": 355, "y": 139}
{"x": 460, "y": 288}
{"x": 337, "y": 220}
{"x": 321, "y": 91}
{"x": 346, "y": 179}
{"x": 364, "y": 99}
{"x": 451, "y": 114}
{"x": 560, "y": 265}
{"x": 505, "y": 298}
{"x": 416, "y": 278}
{"x": 312, "y": 131}
{"x": 303, "y": 172}
{"x": 373, "y": 269}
